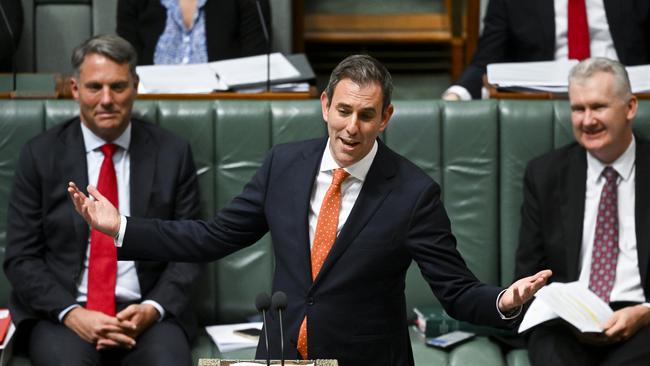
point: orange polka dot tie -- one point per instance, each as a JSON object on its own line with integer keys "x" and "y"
{"x": 328, "y": 221}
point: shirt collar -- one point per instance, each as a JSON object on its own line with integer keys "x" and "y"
{"x": 358, "y": 170}
{"x": 94, "y": 142}
{"x": 623, "y": 165}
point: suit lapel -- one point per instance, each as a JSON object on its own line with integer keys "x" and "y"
{"x": 376, "y": 187}
{"x": 143, "y": 165}
{"x": 642, "y": 210}
{"x": 573, "y": 208}
{"x": 72, "y": 159}
{"x": 306, "y": 170}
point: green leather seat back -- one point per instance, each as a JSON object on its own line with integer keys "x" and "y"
{"x": 470, "y": 183}
{"x": 20, "y": 120}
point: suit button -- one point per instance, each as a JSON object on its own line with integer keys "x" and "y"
{"x": 310, "y": 301}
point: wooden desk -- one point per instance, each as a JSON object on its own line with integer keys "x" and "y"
{"x": 62, "y": 91}
{"x": 495, "y": 93}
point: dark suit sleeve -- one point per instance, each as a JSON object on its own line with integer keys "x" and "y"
{"x": 491, "y": 48}
{"x": 172, "y": 290}
{"x": 251, "y": 33}
{"x": 530, "y": 257}
{"x": 25, "y": 267}
{"x": 241, "y": 223}
{"x": 433, "y": 247}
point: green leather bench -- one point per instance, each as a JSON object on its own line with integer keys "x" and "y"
{"x": 477, "y": 151}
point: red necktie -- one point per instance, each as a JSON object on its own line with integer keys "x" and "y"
{"x": 578, "y": 32}
{"x": 324, "y": 237}
{"x": 102, "y": 264}
{"x": 604, "y": 254}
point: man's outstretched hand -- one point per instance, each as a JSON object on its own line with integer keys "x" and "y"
{"x": 523, "y": 290}
{"x": 98, "y": 213}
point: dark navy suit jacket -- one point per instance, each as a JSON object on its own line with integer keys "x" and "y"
{"x": 47, "y": 239}
{"x": 356, "y": 305}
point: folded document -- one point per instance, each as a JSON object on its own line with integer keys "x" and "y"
{"x": 572, "y": 302}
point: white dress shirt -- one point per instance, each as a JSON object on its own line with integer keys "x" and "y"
{"x": 601, "y": 42}
{"x": 350, "y": 188}
{"x": 127, "y": 287}
{"x": 627, "y": 284}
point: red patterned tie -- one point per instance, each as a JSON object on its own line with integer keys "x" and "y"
{"x": 578, "y": 30}
{"x": 605, "y": 251}
{"x": 324, "y": 237}
{"x": 102, "y": 264}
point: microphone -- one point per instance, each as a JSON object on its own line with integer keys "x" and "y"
{"x": 12, "y": 41}
{"x": 279, "y": 303}
{"x": 263, "y": 303}
{"x": 260, "y": 14}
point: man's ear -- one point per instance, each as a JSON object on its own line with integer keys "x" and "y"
{"x": 324, "y": 101}
{"x": 74, "y": 87}
{"x": 385, "y": 117}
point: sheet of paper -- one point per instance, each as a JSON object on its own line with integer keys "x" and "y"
{"x": 537, "y": 313}
{"x": 225, "y": 338}
{"x": 639, "y": 78}
{"x": 252, "y": 70}
{"x": 530, "y": 74}
{"x": 572, "y": 302}
{"x": 192, "y": 78}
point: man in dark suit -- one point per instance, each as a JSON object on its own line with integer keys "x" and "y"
{"x": 535, "y": 30}
{"x": 342, "y": 249}
{"x": 50, "y": 257}
{"x": 568, "y": 195}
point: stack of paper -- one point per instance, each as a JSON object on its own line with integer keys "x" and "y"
{"x": 219, "y": 75}
{"x": 544, "y": 76}
{"x": 572, "y": 302}
{"x": 225, "y": 338}
{"x": 552, "y": 76}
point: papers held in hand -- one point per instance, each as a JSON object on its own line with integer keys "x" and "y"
{"x": 572, "y": 302}
{"x": 552, "y": 76}
{"x": 214, "y": 76}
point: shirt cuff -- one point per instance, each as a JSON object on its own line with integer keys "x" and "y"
{"x": 647, "y": 305}
{"x": 66, "y": 311}
{"x": 119, "y": 238}
{"x": 512, "y": 314}
{"x": 156, "y": 305}
{"x": 462, "y": 93}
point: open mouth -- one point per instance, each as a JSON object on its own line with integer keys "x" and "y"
{"x": 349, "y": 143}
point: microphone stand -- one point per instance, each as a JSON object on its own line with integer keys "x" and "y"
{"x": 279, "y": 303}
{"x": 263, "y": 303}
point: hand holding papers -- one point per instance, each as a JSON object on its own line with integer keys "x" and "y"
{"x": 572, "y": 302}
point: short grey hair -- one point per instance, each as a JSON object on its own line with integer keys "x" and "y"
{"x": 591, "y": 66}
{"x": 114, "y": 47}
{"x": 363, "y": 70}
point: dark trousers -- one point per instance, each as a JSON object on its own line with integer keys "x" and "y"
{"x": 164, "y": 343}
{"x": 556, "y": 343}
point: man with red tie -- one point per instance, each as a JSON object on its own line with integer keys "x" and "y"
{"x": 72, "y": 300}
{"x": 585, "y": 216}
{"x": 346, "y": 215}
{"x": 545, "y": 30}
